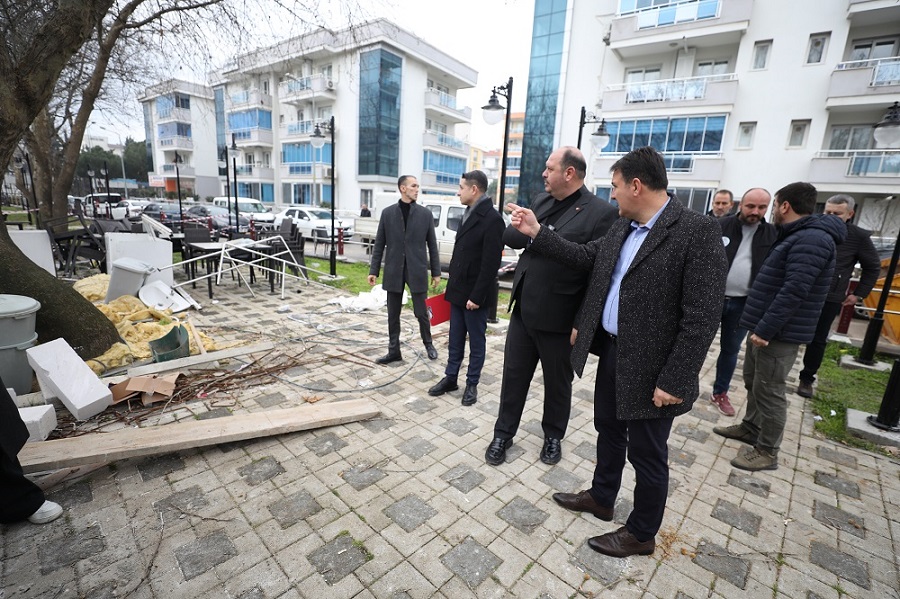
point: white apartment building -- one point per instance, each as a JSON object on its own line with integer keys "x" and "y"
{"x": 735, "y": 93}
{"x": 392, "y": 97}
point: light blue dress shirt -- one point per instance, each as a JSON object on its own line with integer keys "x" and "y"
{"x": 633, "y": 243}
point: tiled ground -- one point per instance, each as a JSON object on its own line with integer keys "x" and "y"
{"x": 405, "y": 506}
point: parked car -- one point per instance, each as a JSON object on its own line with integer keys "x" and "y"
{"x": 217, "y": 218}
{"x": 314, "y": 223}
{"x": 248, "y": 207}
{"x": 166, "y": 213}
{"x": 133, "y": 208}
{"x": 103, "y": 205}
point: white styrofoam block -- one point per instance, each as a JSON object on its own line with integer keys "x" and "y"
{"x": 40, "y": 421}
{"x": 60, "y": 369}
{"x": 36, "y": 245}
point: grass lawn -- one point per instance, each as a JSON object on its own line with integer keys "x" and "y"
{"x": 840, "y": 388}
{"x": 15, "y": 214}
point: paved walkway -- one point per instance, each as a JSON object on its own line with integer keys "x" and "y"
{"x": 405, "y": 506}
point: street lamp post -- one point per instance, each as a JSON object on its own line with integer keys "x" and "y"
{"x": 887, "y": 134}
{"x": 600, "y": 137}
{"x": 317, "y": 140}
{"x": 234, "y": 153}
{"x": 177, "y": 160}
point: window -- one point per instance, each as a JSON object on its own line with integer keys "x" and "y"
{"x": 695, "y": 198}
{"x": 454, "y": 217}
{"x": 873, "y": 49}
{"x": 761, "y": 52}
{"x": 815, "y": 53}
{"x": 709, "y": 68}
{"x": 365, "y": 197}
{"x": 642, "y": 74}
{"x": 850, "y": 137}
{"x": 680, "y": 135}
{"x": 797, "y": 137}
{"x": 746, "y": 132}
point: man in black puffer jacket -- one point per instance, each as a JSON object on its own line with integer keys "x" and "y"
{"x": 781, "y": 313}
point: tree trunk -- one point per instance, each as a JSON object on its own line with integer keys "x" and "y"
{"x": 64, "y": 312}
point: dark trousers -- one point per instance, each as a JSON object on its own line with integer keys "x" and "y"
{"x": 20, "y": 497}
{"x": 731, "y": 335}
{"x": 643, "y": 442}
{"x": 815, "y": 349}
{"x": 524, "y": 348}
{"x": 394, "y": 303}
{"x": 474, "y": 324}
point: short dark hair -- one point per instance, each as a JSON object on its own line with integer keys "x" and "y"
{"x": 575, "y": 159}
{"x": 801, "y": 196}
{"x": 476, "y": 178}
{"x": 725, "y": 191}
{"x": 403, "y": 179}
{"x": 645, "y": 164}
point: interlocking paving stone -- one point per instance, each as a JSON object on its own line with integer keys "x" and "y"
{"x": 259, "y": 471}
{"x": 673, "y": 486}
{"x": 229, "y": 447}
{"x": 401, "y": 595}
{"x": 463, "y": 478}
{"x": 293, "y": 508}
{"x": 459, "y": 426}
{"x": 705, "y": 415}
{"x": 320, "y": 385}
{"x": 61, "y": 552}
{"x": 254, "y": 593}
{"x": 717, "y": 560}
{"x": 73, "y": 495}
{"x": 338, "y": 558}
{"x": 584, "y": 394}
{"x": 682, "y": 595}
{"x": 736, "y": 516}
{"x": 691, "y": 432}
{"x": 420, "y": 405}
{"x": 840, "y": 564}
{"x": 187, "y": 501}
{"x": 523, "y": 515}
{"x": 560, "y": 479}
{"x": 214, "y": 413}
{"x": 270, "y": 400}
{"x": 826, "y": 453}
{"x": 207, "y": 552}
{"x": 534, "y": 427}
{"x": 491, "y": 408}
{"x": 377, "y": 425}
{"x": 838, "y": 518}
{"x": 325, "y": 444}
{"x": 390, "y": 390}
{"x": 410, "y": 512}
{"x": 416, "y": 448}
{"x": 682, "y": 457}
{"x": 622, "y": 510}
{"x": 837, "y": 484}
{"x": 586, "y": 451}
{"x": 472, "y": 562}
{"x": 602, "y": 567}
{"x": 105, "y": 591}
{"x": 360, "y": 477}
{"x": 811, "y": 595}
{"x": 513, "y": 452}
{"x": 749, "y": 483}
{"x": 158, "y": 466}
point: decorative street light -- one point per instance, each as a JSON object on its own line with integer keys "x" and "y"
{"x": 317, "y": 140}
{"x": 178, "y": 160}
{"x": 600, "y": 137}
{"x": 234, "y": 153}
{"x": 492, "y": 116}
{"x": 887, "y": 133}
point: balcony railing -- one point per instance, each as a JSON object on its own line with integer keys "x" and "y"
{"x": 705, "y": 165}
{"x": 176, "y": 142}
{"x": 174, "y": 114}
{"x": 669, "y": 90}
{"x": 253, "y": 135}
{"x": 447, "y": 102}
{"x": 885, "y": 71}
{"x": 295, "y": 128}
{"x": 249, "y": 97}
{"x": 183, "y": 170}
{"x": 867, "y": 163}
{"x": 303, "y": 87}
{"x": 439, "y": 178}
{"x": 675, "y": 14}
{"x": 436, "y": 138}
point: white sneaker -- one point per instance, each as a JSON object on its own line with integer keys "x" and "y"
{"x": 46, "y": 513}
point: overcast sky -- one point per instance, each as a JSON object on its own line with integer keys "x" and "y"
{"x": 491, "y": 36}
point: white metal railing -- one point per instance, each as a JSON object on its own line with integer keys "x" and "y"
{"x": 669, "y": 90}
{"x": 177, "y": 141}
{"x": 312, "y": 83}
{"x": 672, "y": 14}
{"x": 448, "y": 141}
{"x": 298, "y": 127}
{"x": 676, "y": 162}
{"x": 886, "y": 71}
{"x": 444, "y": 99}
{"x": 867, "y": 163}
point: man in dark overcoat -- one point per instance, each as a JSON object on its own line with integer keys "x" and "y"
{"x": 405, "y": 231}
{"x": 650, "y": 314}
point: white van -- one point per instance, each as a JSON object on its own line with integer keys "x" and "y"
{"x": 249, "y": 208}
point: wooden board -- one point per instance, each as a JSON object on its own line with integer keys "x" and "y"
{"x": 131, "y": 443}
{"x": 200, "y": 359}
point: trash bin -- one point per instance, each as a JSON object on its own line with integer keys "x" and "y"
{"x": 15, "y": 370}
{"x": 17, "y": 318}
{"x": 127, "y": 278}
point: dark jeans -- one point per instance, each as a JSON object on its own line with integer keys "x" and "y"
{"x": 731, "y": 335}
{"x": 473, "y": 323}
{"x": 394, "y": 303}
{"x": 815, "y": 350}
{"x": 643, "y": 442}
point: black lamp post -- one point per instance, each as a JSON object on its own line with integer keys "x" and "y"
{"x": 90, "y": 174}
{"x": 317, "y": 140}
{"x": 492, "y": 115}
{"x": 234, "y": 152}
{"x": 177, "y": 160}
{"x": 887, "y": 134}
{"x": 600, "y": 137}
{"x": 223, "y": 163}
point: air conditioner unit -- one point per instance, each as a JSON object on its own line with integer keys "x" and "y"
{"x": 329, "y": 84}
{"x": 325, "y": 172}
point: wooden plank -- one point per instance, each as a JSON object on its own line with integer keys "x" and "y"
{"x": 201, "y": 359}
{"x": 130, "y": 443}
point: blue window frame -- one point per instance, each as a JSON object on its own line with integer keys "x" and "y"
{"x": 380, "y": 76}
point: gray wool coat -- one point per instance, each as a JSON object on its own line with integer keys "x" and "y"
{"x": 670, "y": 305}
{"x": 401, "y": 246}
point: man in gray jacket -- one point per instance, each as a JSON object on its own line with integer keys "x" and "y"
{"x": 405, "y": 230}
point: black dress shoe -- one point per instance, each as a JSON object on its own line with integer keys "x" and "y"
{"x": 552, "y": 451}
{"x": 470, "y": 395}
{"x": 496, "y": 451}
{"x": 621, "y": 543}
{"x": 390, "y": 357}
{"x": 446, "y": 384}
{"x": 583, "y": 502}
{"x": 432, "y": 353}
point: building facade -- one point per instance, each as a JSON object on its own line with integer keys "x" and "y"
{"x": 392, "y": 97}
{"x": 735, "y": 93}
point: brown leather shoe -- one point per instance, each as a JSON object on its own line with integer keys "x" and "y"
{"x": 621, "y": 543}
{"x": 583, "y": 502}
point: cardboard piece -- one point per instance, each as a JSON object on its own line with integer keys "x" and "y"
{"x": 151, "y": 388}
{"x": 438, "y": 309}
